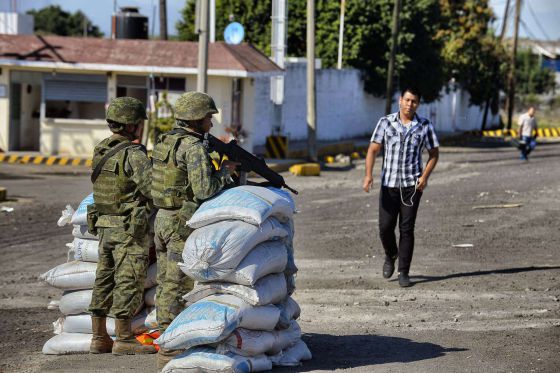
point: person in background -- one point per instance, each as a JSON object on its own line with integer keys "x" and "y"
{"x": 528, "y": 132}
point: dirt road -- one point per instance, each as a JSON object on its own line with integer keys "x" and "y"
{"x": 492, "y": 307}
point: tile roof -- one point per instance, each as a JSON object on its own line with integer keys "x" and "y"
{"x": 160, "y": 53}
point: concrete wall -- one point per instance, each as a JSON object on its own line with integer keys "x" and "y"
{"x": 72, "y": 137}
{"x": 4, "y": 108}
{"x": 344, "y": 109}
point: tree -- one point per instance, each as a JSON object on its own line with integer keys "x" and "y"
{"x": 531, "y": 78}
{"x": 54, "y": 20}
{"x": 366, "y": 39}
{"x": 471, "y": 53}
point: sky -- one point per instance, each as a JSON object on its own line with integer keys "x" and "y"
{"x": 539, "y": 17}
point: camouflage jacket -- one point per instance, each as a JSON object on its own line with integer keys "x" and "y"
{"x": 125, "y": 179}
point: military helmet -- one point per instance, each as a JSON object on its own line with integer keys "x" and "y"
{"x": 194, "y": 106}
{"x": 124, "y": 110}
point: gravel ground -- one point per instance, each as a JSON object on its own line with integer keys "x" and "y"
{"x": 490, "y": 307}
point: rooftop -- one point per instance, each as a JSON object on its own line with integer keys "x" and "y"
{"x": 179, "y": 57}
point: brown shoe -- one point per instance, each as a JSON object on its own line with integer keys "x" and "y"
{"x": 164, "y": 356}
{"x": 101, "y": 343}
{"x": 126, "y": 343}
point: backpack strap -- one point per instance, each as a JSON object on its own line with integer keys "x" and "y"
{"x": 106, "y": 157}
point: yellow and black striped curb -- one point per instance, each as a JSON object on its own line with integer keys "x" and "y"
{"x": 542, "y": 132}
{"x": 44, "y": 160}
{"x": 276, "y": 147}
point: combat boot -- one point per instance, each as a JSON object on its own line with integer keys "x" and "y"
{"x": 164, "y": 356}
{"x": 126, "y": 343}
{"x": 101, "y": 343}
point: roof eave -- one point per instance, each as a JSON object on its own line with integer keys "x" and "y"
{"x": 60, "y": 66}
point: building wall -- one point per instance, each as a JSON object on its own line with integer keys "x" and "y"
{"x": 72, "y": 137}
{"x": 345, "y": 110}
{"x": 248, "y": 122}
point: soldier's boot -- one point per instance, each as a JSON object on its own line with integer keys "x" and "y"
{"x": 164, "y": 356}
{"x": 126, "y": 343}
{"x": 101, "y": 343}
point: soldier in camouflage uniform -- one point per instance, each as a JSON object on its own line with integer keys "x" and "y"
{"x": 183, "y": 177}
{"x": 121, "y": 191}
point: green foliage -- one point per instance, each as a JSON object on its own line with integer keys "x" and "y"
{"x": 531, "y": 78}
{"x": 438, "y": 40}
{"x": 471, "y": 53}
{"x": 253, "y": 15}
{"x": 53, "y": 20}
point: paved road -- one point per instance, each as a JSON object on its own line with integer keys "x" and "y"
{"x": 490, "y": 307}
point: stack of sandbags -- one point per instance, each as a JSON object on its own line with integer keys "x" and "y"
{"x": 76, "y": 278}
{"x": 240, "y": 314}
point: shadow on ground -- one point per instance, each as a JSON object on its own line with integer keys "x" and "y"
{"x": 506, "y": 271}
{"x": 331, "y": 352}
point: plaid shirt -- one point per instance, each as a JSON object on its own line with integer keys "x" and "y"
{"x": 402, "y": 159}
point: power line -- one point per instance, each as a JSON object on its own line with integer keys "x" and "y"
{"x": 534, "y": 38}
{"x": 548, "y": 38}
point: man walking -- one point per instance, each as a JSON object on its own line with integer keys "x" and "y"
{"x": 121, "y": 191}
{"x": 183, "y": 177}
{"x": 528, "y": 133}
{"x": 402, "y": 135}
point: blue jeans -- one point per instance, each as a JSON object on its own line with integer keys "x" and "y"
{"x": 530, "y": 145}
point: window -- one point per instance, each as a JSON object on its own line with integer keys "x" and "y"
{"x": 76, "y": 96}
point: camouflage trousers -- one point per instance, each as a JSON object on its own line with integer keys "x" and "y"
{"x": 121, "y": 273}
{"x": 170, "y": 238}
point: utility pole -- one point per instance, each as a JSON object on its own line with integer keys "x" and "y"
{"x": 163, "y": 19}
{"x": 341, "y": 34}
{"x": 391, "y": 67}
{"x": 202, "y": 78}
{"x": 511, "y": 93}
{"x": 311, "y": 102}
{"x": 496, "y": 71}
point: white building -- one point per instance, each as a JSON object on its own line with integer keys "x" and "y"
{"x": 54, "y": 90}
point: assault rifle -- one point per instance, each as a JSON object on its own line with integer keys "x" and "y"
{"x": 248, "y": 161}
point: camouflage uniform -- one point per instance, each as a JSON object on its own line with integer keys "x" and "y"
{"x": 183, "y": 177}
{"x": 121, "y": 193}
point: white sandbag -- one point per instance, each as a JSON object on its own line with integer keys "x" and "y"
{"x": 247, "y": 342}
{"x": 289, "y": 310}
{"x": 82, "y": 324}
{"x": 80, "y": 216}
{"x": 292, "y": 356}
{"x": 267, "y": 290}
{"x": 75, "y": 275}
{"x": 266, "y": 258}
{"x": 81, "y": 231}
{"x": 205, "y": 359}
{"x": 151, "y": 276}
{"x": 150, "y": 296}
{"x": 84, "y": 250}
{"x": 67, "y": 343}
{"x": 78, "y": 275}
{"x": 213, "y": 319}
{"x": 249, "y": 203}
{"x": 214, "y": 251}
{"x": 65, "y": 216}
{"x": 75, "y": 302}
{"x": 151, "y": 320}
